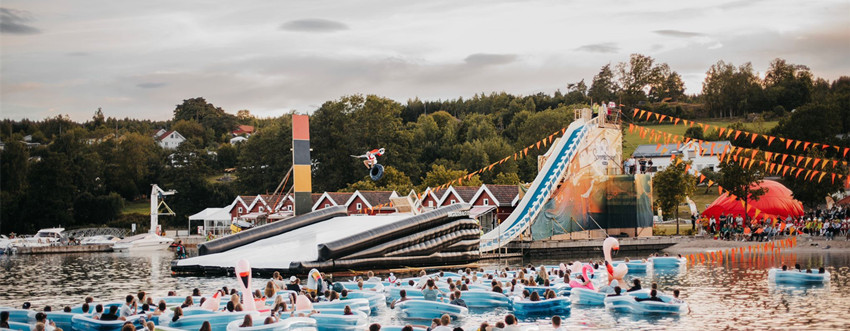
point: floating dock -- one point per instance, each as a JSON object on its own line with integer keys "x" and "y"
{"x": 61, "y": 249}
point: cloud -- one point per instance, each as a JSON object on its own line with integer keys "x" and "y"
{"x": 151, "y": 85}
{"x": 314, "y": 25}
{"x": 12, "y": 22}
{"x": 678, "y": 33}
{"x": 484, "y": 59}
{"x": 600, "y": 48}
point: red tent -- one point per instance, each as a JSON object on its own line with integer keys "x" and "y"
{"x": 777, "y": 201}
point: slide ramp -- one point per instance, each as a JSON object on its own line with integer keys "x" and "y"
{"x": 541, "y": 188}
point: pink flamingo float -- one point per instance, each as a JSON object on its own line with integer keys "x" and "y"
{"x": 587, "y": 283}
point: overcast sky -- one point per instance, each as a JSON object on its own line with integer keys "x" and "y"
{"x": 141, "y": 58}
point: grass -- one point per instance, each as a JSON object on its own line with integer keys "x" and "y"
{"x": 137, "y": 207}
{"x": 632, "y": 139}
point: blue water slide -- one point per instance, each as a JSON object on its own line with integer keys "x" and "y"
{"x": 541, "y": 189}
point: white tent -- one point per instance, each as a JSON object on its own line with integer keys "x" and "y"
{"x": 216, "y": 220}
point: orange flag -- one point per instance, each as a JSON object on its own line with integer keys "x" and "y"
{"x": 737, "y": 133}
{"x": 770, "y": 140}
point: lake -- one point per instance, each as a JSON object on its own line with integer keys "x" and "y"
{"x": 731, "y": 295}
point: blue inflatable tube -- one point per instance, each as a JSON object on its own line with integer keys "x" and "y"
{"x": 335, "y": 319}
{"x": 62, "y": 319}
{"x": 376, "y": 286}
{"x": 412, "y": 293}
{"x": 376, "y": 299}
{"x": 399, "y": 327}
{"x": 78, "y": 309}
{"x": 361, "y": 305}
{"x": 83, "y": 322}
{"x": 583, "y": 296}
{"x": 219, "y": 321}
{"x": 627, "y": 303}
{"x": 20, "y": 326}
{"x": 484, "y": 299}
{"x": 17, "y": 315}
{"x": 667, "y": 261}
{"x": 427, "y": 310}
{"x": 776, "y": 275}
{"x": 292, "y": 323}
{"x": 556, "y": 306}
{"x": 634, "y": 266}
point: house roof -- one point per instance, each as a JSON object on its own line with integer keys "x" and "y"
{"x": 340, "y": 198}
{"x": 667, "y": 150}
{"x": 249, "y": 200}
{"x": 315, "y": 197}
{"x": 378, "y": 197}
{"x": 164, "y": 135}
{"x": 503, "y": 195}
{"x": 436, "y": 194}
{"x": 244, "y": 129}
{"x": 464, "y": 193}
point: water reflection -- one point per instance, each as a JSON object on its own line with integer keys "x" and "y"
{"x": 729, "y": 295}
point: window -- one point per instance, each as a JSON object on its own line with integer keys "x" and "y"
{"x": 240, "y": 210}
{"x": 486, "y": 202}
{"x": 452, "y": 202}
{"x": 261, "y": 209}
{"x": 327, "y": 205}
{"x": 431, "y": 203}
{"x": 359, "y": 206}
{"x": 289, "y": 208}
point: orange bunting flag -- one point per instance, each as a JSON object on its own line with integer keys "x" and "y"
{"x": 719, "y": 190}
{"x": 797, "y": 144}
{"x": 676, "y": 122}
{"x": 662, "y": 118}
{"x": 817, "y": 160}
{"x": 753, "y": 154}
{"x": 702, "y": 177}
{"x": 721, "y": 131}
{"x": 737, "y": 133}
{"x": 768, "y": 156}
{"x": 784, "y": 156}
{"x": 845, "y": 151}
{"x": 635, "y": 112}
{"x": 538, "y": 145}
{"x": 797, "y": 160}
{"x": 833, "y": 178}
{"x": 788, "y": 143}
{"x": 770, "y": 140}
{"x": 753, "y": 138}
{"x": 806, "y": 164}
{"x": 821, "y": 176}
{"x": 710, "y": 182}
{"x": 784, "y": 169}
{"x": 806, "y": 145}
{"x": 631, "y": 127}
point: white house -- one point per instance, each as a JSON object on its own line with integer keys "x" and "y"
{"x": 169, "y": 139}
{"x": 236, "y": 140}
{"x": 703, "y": 156}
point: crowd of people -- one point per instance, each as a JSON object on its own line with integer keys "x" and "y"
{"x": 828, "y": 224}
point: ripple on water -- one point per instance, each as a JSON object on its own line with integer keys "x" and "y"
{"x": 728, "y": 295}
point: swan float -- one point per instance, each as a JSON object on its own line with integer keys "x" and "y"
{"x": 243, "y": 275}
{"x": 618, "y": 272}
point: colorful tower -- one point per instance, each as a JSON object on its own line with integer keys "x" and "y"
{"x": 302, "y": 176}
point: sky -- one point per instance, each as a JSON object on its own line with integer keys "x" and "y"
{"x": 139, "y": 59}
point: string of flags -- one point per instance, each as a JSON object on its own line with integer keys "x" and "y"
{"x": 542, "y": 143}
{"x": 789, "y": 144}
{"x": 731, "y": 153}
{"x": 739, "y": 253}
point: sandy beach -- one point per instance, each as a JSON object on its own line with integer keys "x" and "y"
{"x": 805, "y": 244}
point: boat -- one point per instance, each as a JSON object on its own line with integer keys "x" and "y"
{"x": 777, "y": 275}
{"x": 44, "y": 237}
{"x": 99, "y": 240}
{"x": 548, "y": 307}
{"x": 145, "y": 241}
{"x": 292, "y": 323}
{"x": 427, "y": 310}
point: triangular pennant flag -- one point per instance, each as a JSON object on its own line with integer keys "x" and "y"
{"x": 768, "y": 156}
{"x": 753, "y": 138}
{"x": 631, "y": 127}
{"x": 721, "y": 131}
{"x": 710, "y": 182}
{"x": 806, "y": 164}
{"x": 702, "y": 178}
{"x": 797, "y": 160}
{"x": 676, "y": 122}
{"x": 797, "y": 144}
{"x": 806, "y": 145}
{"x": 833, "y": 178}
{"x": 845, "y": 151}
{"x": 662, "y": 118}
{"x": 635, "y": 112}
{"x": 788, "y": 143}
{"x": 817, "y": 160}
{"x": 821, "y": 176}
{"x": 737, "y": 133}
{"x": 656, "y": 116}
{"x": 784, "y": 169}
{"x": 538, "y": 145}
{"x": 770, "y": 140}
{"x": 784, "y": 156}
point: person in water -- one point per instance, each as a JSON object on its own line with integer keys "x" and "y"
{"x": 402, "y": 297}
{"x": 112, "y": 315}
{"x": 636, "y": 286}
{"x": 653, "y": 296}
{"x": 784, "y": 267}
{"x": 676, "y": 297}
{"x": 247, "y": 321}
{"x": 129, "y": 308}
{"x": 458, "y": 301}
{"x": 617, "y": 291}
{"x": 430, "y": 292}
{"x": 4, "y": 319}
{"x": 821, "y": 270}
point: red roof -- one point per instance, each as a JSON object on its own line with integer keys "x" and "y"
{"x": 466, "y": 192}
{"x": 244, "y": 129}
{"x": 340, "y": 197}
{"x": 778, "y": 201}
{"x": 376, "y": 197}
{"x": 164, "y": 135}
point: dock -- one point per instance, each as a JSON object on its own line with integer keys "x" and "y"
{"x": 61, "y": 249}
{"x": 583, "y": 247}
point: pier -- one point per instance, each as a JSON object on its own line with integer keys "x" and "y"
{"x": 61, "y": 249}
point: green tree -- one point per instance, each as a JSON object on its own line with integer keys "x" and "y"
{"x": 741, "y": 182}
{"x": 811, "y": 192}
{"x": 636, "y": 76}
{"x": 393, "y": 180}
{"x": 207, "y": 114}
{"x": 439, "y": 175}
{"x": 694, "y": 132}
{"x": 670, "y": 187}
{"x": 265, "y": 158}
{"x": 506, "y": 178}
{"x": 668, "y": 86}
{"x": 603, "y": 87}
{"x": 192, "y": 131}
{"x": 799, "y": 125}
{"x": 788, "y": 85}
{"x": 730, "y": 91}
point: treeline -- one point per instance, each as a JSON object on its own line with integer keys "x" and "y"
{"x": 82, "y": 174}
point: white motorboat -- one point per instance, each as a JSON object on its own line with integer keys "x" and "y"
{"x": 44, "y": 237}
{"x": 151, "y": 240}
{"x": 99, "y": 240}
{"x": 145, "y": 241}
{"x": 5, "y": 243}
